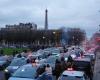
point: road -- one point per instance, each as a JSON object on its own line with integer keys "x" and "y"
{"x": 97, "y": 67}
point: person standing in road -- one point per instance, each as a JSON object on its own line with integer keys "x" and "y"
{"x": 2, "y": 74}
{"x": 48, "y": 71}
{"x": 58, "y": 69}
{"x": 63, "y": 64}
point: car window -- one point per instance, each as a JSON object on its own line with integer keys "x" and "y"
{"x": 82, "y": 63}
{"x": 65, "y": 77}
{"x": 55, "y": 51}
{"x": 25, "y": 72}
{"x": 3, "y": 59}
{"x": 18, "y": 62}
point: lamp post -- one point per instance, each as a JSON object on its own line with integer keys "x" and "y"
{"x": 73, "y": 40}
{"x": 54, "y": 33}
{"x": 43, "y": 39}
{"x": 77, "y": 41}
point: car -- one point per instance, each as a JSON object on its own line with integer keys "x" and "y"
{"x": 15, "y": 64}
{"x": 90, "y": 55}
{"x": 26, "y": 72}
{"x": 72, "y": 75}
{"x": 50, "y": 60}
{"x": 4, "y": 61}
{"x": 84, "y": 64}
{"x": 38, "y": 56}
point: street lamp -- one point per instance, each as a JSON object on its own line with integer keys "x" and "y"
{"x": 54, "y": 33}
{"x": 43, "y": 39}
{"x": 73, "y": 40}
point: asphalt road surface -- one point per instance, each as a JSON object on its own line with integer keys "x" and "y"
{"x": 97, "y": 67}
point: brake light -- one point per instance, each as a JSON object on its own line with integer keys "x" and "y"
{"x": 70, "y": 69}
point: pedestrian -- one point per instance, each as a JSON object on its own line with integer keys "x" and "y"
{"x": 40, "y": 71}
{"x": 33, "y": 63}
{"x": 24, "y": 53}
{"x": 63, "y": 64}
{"x": 48, "y": 72}
{"x": 48, "y": 69}
{"x": 71, "y": 65}
{"x": 58, "y": 69}
{"x": 70, "y": 59}
{"x": 68, "y": 65}
{"x": 14, "y": 53}
{"x": 1, "y": 52}
{"x": 89, "y": 72}
{"x": 2, "y": 74}
{"x": 37, "y": 62}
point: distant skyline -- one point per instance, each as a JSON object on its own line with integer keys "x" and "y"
{"x": 84, "y": 14}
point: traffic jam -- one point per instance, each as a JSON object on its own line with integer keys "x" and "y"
{"x": 55, "y": 63}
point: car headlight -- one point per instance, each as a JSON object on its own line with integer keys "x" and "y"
{"x": 6, "y": 70}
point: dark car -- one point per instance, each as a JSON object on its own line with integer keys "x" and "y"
{"x": 84, "y": 64}
{"x": 26, "y": 72}
{"x": 15, "y": 64}
{"x": 4, "y": 61}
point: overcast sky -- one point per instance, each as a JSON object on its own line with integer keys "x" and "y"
{"x": 69, "y": 13}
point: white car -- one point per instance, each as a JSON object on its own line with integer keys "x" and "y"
{"x": 72, "y": 75}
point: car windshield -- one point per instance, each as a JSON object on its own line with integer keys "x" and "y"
{"x": 51, "y": 60}
{"x": 18, "y": 62}
{"x": 3, "y": 59}
{"x": 65, "y": 77}
{"x": 25, "y": 72}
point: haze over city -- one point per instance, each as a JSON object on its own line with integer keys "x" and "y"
{"x": 68, "y": 13}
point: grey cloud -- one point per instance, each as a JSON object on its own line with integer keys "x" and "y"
{"x": 81, "y": 13}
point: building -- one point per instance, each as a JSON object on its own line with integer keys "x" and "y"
{"x": 32, "y": 26}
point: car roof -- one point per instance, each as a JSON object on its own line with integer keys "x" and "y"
{"x": 27, "y": 65}
{"x": 83, "y": 59}
{"x": 22, "y": 58}
{"x": 30, "y": 65}
{"x": 73, "y": 73}
{"x": 89, "y": 54}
